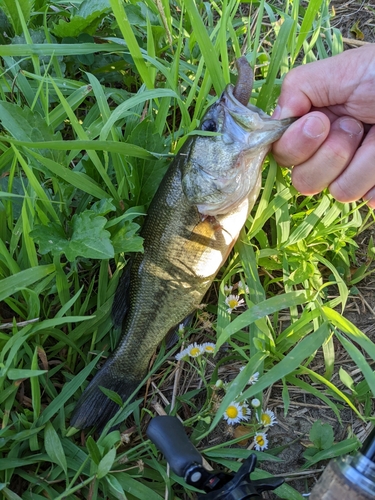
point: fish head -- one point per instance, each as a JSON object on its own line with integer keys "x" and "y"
{"x": 222, "y": 170}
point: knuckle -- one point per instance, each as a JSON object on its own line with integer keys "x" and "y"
{"x": 289, "y": 151}
{"x": 337, "y": 152}
{"x": 341, "y": 190}
{"x": 288, "y": 81}
{"x": 304, "y": 183}
{"x": 287, "y": 159}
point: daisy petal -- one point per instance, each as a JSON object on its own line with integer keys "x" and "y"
{"x": 233, "y": 414}
{"x": 267, "y": 418}
{"x": 260, "y": 441}
{"x": 181, "y": 355}
{"x": 254, "y": 378}
{"x": 209, "y": 347}
{"x": 233, "y": 301}
{"x": 246, "y": 412}
{"x": 194, "y": 350}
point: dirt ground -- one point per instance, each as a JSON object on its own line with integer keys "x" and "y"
{"x": 352, "y": 16}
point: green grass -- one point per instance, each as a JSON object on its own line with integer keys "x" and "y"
{"x": 91, "y": 110}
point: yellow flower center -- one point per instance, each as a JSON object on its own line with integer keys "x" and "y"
{"x": 243, "y": 411}
{"x": 259, "y": 440}
{"x": 232, "y": 303}
{"x": 266, "y": 419}
{"x": 209, "y": 348}
{"x": 232, "y": 412}
{"x": 195, "y": 351}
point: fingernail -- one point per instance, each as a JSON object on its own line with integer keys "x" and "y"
{"x": 351, "y": 126}
{"x": 277, "y": 113}
{"x": 282, "y": 112}
{"x": 314, "y": 127}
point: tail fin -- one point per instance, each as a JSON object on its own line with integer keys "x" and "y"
{"x": 94, "y": 408}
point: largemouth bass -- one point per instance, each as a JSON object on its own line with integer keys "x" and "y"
{"x": 192, "y": 224}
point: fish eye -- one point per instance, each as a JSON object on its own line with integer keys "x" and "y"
{"x": 209, "y": 125}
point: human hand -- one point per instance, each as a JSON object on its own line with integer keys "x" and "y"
{"x": 333, "y": 143}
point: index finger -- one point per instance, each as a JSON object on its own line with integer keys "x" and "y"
{"x": 324, "y": 83}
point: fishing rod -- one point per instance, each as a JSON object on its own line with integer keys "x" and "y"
{"x": 351, "y": 477}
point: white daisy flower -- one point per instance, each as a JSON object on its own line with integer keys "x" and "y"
{"x": 228, "y": 288}
{"x": 233, "y": 414}
{"x": 267, "y": 418}
{"x": 181, "y": 355}
{"x": 255, "y": 403}
{"x": 242, "y": 288}
{"x": 246, "y": 412}
{"x": 254, "y": 378}
{"x": 194, "y": 350}
{"x": 233, "y": 301}
{"x": 260, "y": 441}
{"x": 209, "y": 347}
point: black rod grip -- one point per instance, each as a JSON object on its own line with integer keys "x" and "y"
{"x": 169, "y": 436}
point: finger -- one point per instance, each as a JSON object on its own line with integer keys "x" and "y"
{"x": 302, "y": 139}
{"x": 331, "y": 159}
{"x": 330, "y": 114}
{"x": 328, "y": 82}
{"x": 354, "y": 181}
{"x": 333, "y": 117}
{"x": 370, "y": 197}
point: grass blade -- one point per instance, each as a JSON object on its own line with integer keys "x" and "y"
{"x": 262, "y": 309}
{"x": 23, "y": 279}
{"x": 206, "y": 46}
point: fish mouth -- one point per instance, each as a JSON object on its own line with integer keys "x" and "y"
{"x": 244, "y": 122}
{"x": 237, "y": 120}
{"x": 248, "y": 124}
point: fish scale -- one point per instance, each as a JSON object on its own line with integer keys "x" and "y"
{"x": 191, "y": 226}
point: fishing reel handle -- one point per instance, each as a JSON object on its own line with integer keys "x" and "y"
{"x": 168, "y": 434}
